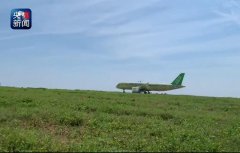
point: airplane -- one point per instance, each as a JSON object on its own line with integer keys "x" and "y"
{"x": 146, "y": 87}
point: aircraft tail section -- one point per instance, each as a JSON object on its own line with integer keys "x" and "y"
{"x": 178, "y": 80}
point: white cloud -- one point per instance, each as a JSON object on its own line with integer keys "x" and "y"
{"x": 230, "y": 11}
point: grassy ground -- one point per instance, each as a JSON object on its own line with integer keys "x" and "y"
{"x": 74, "y": 120}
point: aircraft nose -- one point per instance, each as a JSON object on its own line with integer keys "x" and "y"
{"x": 117, "y": 86}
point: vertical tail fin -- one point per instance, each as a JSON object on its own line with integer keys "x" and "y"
{"x": 179, "y": 79}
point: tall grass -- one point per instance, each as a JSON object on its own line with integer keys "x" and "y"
{"x": 74, "y": 120}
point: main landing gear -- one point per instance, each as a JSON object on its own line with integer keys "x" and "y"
{"x": 123, "y": 90}
{"x": 147, "y": 92}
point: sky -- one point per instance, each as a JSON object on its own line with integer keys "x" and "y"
{"x": 95, "y": 44}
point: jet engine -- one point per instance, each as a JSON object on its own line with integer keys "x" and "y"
{"x": 136, "y": 90}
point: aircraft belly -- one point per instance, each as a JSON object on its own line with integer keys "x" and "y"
{"x": 162, "y": 87}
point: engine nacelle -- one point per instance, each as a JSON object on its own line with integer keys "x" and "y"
{"x": 136, "y": 90}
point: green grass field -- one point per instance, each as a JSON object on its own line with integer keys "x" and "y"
{"x": 74, "y": 120}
